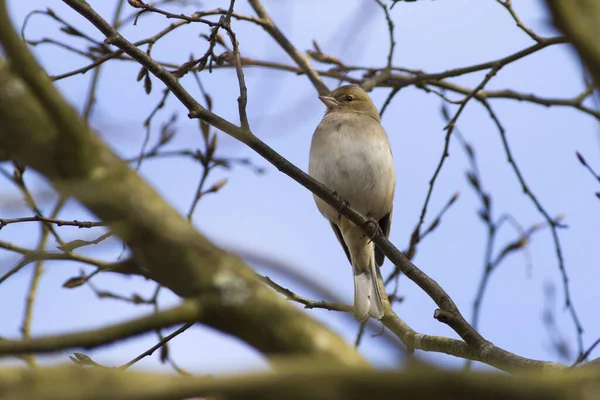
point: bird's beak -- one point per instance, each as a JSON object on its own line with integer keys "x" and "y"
{"x": 330, "y": 102}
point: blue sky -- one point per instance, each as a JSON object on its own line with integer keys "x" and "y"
{"x": 271, "y": 215}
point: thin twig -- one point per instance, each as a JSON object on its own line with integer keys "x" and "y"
{"x": 289, "y": 48}
{"x": 449, "y": 129}
{"x": 57, "y": 222}
{"x": 587, "y": 353}
{"x": 91, "y": 97}
{"x": 193, "y": 18}
{"x": 508, "y": 5}
{"x": 36, "y": 277}
{"x": 157, "y": 346}
{"x": 369, "y": 84}
{"x": 388, "y": 100}
{"x": 243, "y": 99}
{"x": 552, "y": 223}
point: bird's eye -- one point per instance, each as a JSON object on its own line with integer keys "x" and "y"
{"x": 349, "y": 98}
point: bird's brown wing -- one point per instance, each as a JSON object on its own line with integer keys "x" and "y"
{"x": 340, "y": 239}
{"x": 385, "y": 223}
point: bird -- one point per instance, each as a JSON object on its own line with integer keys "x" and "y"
{"x": 350, "y": 153}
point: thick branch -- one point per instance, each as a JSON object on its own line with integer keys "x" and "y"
{"x": 303, "y": 382}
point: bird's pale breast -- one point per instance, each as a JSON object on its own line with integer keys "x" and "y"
{"x": 350, "y": 154}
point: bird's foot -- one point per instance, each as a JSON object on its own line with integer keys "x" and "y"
{"x": 343, "y": 204}
{"x": 375, "y": 228}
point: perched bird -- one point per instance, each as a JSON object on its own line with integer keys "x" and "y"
{"x": 351, "y": 155}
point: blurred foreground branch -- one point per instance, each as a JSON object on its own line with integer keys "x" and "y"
{"x": 189, "y": 311}
{"x": 302, "y": 382}
{"x": 580, "y": 21}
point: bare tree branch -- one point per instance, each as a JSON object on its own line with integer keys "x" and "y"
{"x": 302, "y": 381}
{"x": 189, "y": 311}
{"x": 302, "y": 61}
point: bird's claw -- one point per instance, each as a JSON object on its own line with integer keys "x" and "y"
{"x": 343, "y": 204}
{"x": 376, "y": 230}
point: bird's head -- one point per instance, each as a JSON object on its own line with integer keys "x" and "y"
{"x": 350, "y": 99}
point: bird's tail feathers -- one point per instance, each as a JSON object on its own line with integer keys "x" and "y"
{"x": 367, "y": 297}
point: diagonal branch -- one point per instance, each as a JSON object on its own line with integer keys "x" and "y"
{"x": 302, "y": 61}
